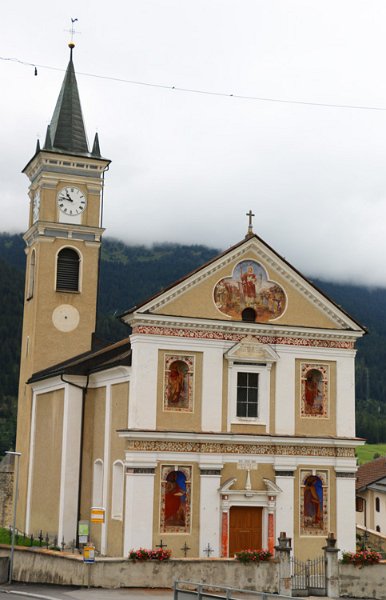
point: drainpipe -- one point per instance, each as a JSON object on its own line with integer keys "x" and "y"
{"x": 93, "y": 338}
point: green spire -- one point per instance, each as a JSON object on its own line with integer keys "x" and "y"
{"x": 96, "y": 151}
{"x": 67, "y": 131}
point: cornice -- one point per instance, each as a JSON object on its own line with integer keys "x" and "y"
{"x": 262, "y": 333}
{"x": 51, "y": 229}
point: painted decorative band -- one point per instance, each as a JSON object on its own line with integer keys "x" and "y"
{"x": 238, "y": 448}
{"x": 284, "y": 473}
{"x": 237, "y": 337}
{"x": 347, "y": 474}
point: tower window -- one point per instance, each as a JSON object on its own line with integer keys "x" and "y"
{"x": 67, "y": 271}
{"x": 377, "y": 504}
{"x": 31, "y": 276}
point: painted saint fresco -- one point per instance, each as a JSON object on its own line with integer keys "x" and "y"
{"x": 313, "y": 518}
{"x": 249, "y": 288}
{"x": 314, "y": 392}
{"x": 175, "y": 499}
{"x": 178, "y": 384}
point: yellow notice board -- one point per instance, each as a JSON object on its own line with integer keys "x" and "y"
{"x": 97, "y": 514}
{"x": 89, "y": 554}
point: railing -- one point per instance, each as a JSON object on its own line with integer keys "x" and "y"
{"x": 41, "y": 541}
{"x": 188, "y": 590}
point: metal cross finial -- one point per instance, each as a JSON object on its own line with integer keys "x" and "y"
{"x": 161, "y": 545}
{"x": 250, "y": 214}
{"x": 185, "y": 548}
{"x": 208, "y": 550}
{"x": 73, "y": 31}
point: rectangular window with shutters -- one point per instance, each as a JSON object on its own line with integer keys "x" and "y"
{"x": 247, "y": 394}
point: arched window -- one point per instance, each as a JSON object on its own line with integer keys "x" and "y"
{"x": 378, "y": 529}
{"x": 175, "y": 499}
{"x": 97, "y": 483}
{"x": 313, "y": 502}
{"x": 67, "y": 271}
{"x": 117, "y": 491}
{"x": 31, "y": 276}
{"x": 377, "y": 504}
{"x": 249, "y": 315}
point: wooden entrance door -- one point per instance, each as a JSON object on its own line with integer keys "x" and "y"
{"x": 244, "y": 528}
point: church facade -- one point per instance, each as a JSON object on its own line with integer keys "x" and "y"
{"x": 226, "y": 417}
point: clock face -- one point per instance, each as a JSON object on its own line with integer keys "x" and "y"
{"x": 71, "y": 201}
{"x": 36, "y": 207}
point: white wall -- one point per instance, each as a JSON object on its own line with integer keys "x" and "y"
{"x": 345, "y": 513}
{"x": 138, "y": 511}
{"x": 210, "y": 529}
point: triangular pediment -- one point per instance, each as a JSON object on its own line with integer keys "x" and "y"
{"x": 252, "y": 276}
{"x": 250, "y": 350}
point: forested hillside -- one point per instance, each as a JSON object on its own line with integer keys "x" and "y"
{"x": 130, "y": 274}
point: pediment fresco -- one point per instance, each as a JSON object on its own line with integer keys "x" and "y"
{"x": 249, "y": 287}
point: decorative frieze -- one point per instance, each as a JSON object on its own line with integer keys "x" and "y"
{"x": 345, "y": 474}
{"x": 224, "y": 448}
{"x": 209, "y": 334}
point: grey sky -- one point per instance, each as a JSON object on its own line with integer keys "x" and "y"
{"x": 187, "y": 167}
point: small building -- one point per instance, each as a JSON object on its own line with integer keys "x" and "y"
{"x": 371, "y": 495}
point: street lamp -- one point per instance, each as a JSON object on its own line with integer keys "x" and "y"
{"x": 17, "y": 457}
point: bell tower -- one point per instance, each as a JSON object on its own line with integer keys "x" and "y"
{"x": 62, "y": 250}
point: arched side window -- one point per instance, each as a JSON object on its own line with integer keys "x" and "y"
{"x": 67, "y": 270}
{"x": 175, "y": 499}
{"x": 31, "y": 275}
{"x": 377, "y": 504}
{"x": 97, "y": 483}
{"x": 378, "y": 529}
{"x": 117, "y": 491}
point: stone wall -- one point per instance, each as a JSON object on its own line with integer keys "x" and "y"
{"x": 45, "y": 566}
{"x": 375, "y": 539}
{"x": 6, "y": 491}
{"x": 368, "y": 582}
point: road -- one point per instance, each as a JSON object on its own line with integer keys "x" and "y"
{"x": 52, "y": 592}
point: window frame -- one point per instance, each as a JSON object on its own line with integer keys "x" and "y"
{"x": 97, "y": 483}
{"x": 263, "y": 397}
{"x": 80, "y": 269}
{"x": 31, "y": 276}
{"x": 118, "y": 490}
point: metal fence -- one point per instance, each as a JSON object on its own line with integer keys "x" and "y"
{"x": 189, "y": 590}
{"x": 308, "y": 577}
{"x": 41, "y": 540}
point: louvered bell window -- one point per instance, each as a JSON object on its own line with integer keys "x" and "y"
{"x": 67, "y": 272}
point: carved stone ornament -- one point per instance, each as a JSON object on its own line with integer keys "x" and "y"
{"x": 250, "y": 350}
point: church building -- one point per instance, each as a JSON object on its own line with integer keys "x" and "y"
{"x": 226, "y": 417}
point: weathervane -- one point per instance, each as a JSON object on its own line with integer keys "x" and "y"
{"x": 73, "y": 31}
{"x": 249, "y": 214}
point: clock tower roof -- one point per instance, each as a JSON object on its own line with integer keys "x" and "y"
{"x": 67, "y": 131}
